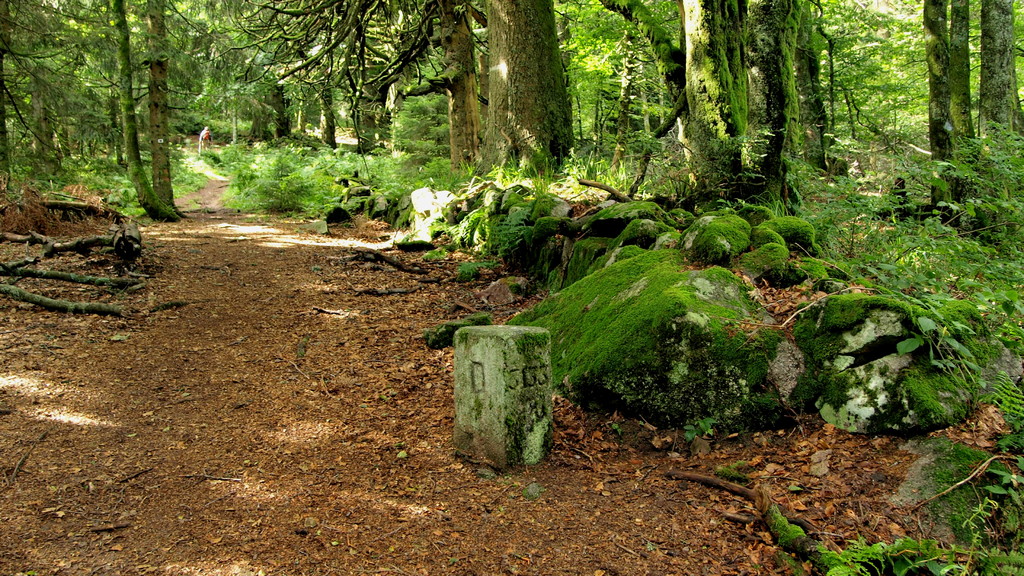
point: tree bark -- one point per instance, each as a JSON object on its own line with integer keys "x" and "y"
{"x": 814, "y": 119}
{"x": 529, "y": 118}
{"x": 42, "y": 131}
{"x": 960, "y": 69}
{"x": 5, "y": 151}
{"x": 772, "y": 96}
{"x": 328, "y": 124}
{"x": 279, "y": 104}
{"x": 461, "y": 84}
{"x": 159, "y": 112}
{"x": 716, "y": 93}
{"x": 996, "y": 97}
{"x": 622, "y": 123}
{"x": 154, "y": 207}
{"x": 940, "y": 125}
{"x": 60, "y": 305}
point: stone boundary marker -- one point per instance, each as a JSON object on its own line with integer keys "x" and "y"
{"x": 503, "y": 394}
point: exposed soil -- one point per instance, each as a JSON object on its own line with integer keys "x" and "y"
{"x": 226, "y": 426}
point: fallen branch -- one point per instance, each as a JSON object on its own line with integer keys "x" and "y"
{"x": 386, "y": 291}
{"x": 127, "y": 241}
{"x": 977, "y": 472}
{"x": 31, "y": 238}
{"x": 370, "y": 255}
{"x": 24, "y": 458}
{"x": 60, "y": 305}
{"x": 614, "y": 192}
{"x": 334, "y": 312}
{"x": 736, "y": 489}
{"x": 82, "y": 207}
{"x": 69, "y": 277}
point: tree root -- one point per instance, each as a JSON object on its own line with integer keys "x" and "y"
{"x": 60, "y": 305}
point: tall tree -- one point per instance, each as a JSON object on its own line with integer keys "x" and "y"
{"x": 5, "y": 152}
{"x": 460, "y": 82}
{"x": 159, "y": 111}
{"x": 996, "y": 92}
{"x": 155, "y": 208}
{"x": 529, "y": 121}
{"x": 940, "y": 124}
{"x": 960, "y": 68}
{"x": 807, "y": 65}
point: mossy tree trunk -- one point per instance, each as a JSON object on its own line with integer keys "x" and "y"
{"x": 461, "y": 83}
{"x": 159, "y": 111}
{"x": 807, "y": 64}
{"x": 5, "y": 151}
{"x": 279, "y": 104}
{"x": 716, "y": 94}
{"x": 773, "y": 101}
{"x": 940, "y": 124}
{"x": 529, "y": 120}
{"x": 46, "y": 156}
{"x": 154, "y": 207}
{"x": 328, "y": 123}
{"x": 960, "y": 68}
{"x": 622, "y": 123}
{"x": 996, "y": 91}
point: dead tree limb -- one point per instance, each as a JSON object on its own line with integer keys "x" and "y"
{"x": 31, "y": 238}
{"x": 9, "y": 267}
{"x": 69, "y": 277}
{"x": 60, "y": 305}
{"x": 80, "y": 245}
{"x": 614, "y": 192}
{"x": 386, "y": 291}
{"x": 127, "y": 241}
{"x": 80, "y": 207}
{"x": 369, "y": 255}
{"x": 736, "y": 489}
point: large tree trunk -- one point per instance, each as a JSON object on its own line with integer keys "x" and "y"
{"x": 813, "y": 117}
{"x": 460, "y": 76}
{"x": 716, "y": 94}
{"x": 960, "y": 68}
{"x": 154, "y": 207}
{"x": 43, "y": 148}
{"x": 940, "y": 125}
{"x": 529, "y": 117}
{"x": 158, "y": 110}
{"x": 996, "y": 96}
{"x": 773, "y": 100}
{"x": 279, "y": 104}
{"x": 5, "y": 151}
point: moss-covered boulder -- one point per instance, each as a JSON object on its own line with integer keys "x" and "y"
{"x": 770, "y": 262}
{"x": 755, "y": 214}
{"x": 664, "y": 342}
{"x": 716, "y": 238}
{"x": 864, "y": 374}
{"x": 427, "y": 206}
{"x": 442, "y": 335}
{"x": 643, "y": 233}
{"x": 547, "y": 227}
{"x": 584, "y": 253}
{"x": 761, "y": 235}
{"x": 798, "y": 233}
{"x": 611, "y": 221}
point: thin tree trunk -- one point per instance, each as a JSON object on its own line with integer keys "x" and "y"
{"x": 5, "y": 151}
{"x": 996, "y": 97}
{"x": 154, "y": 207}
{"x": 279, "y": 104}
{"x": 625, "y": 101}
{"x": 808, "y": 76}
{"x": 329, "y": 127}
{"x": 940, "y": 126}
{"x": 158, "y": 109}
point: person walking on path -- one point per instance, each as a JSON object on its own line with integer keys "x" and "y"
{"x": 204, "y": 135}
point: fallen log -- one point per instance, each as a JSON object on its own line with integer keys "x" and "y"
{"x": 60, "y": 305}
{"x": 31, "y": 238}
{"x": 80, "y": 245}
{"x": 386, "y": 291}
{"x": 127, "y": 241}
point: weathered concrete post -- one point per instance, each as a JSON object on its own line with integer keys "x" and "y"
{"x": 503, "y": 393}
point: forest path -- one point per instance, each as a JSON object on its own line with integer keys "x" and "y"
{"x": 228, "y": 425}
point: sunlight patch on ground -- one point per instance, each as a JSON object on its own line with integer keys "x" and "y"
{"x": 28, "y": 386}
{"x": 197, "y": 165}
{"x": 35, "y": 388}
{"x": 214, "y": 569}
{"x": 300, "y": 432}
{"x": 270, "y": 237}
{"x": 67, "y": 417}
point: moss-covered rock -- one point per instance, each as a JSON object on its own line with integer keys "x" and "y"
{"x": 798, "y": 233}
{"x": 545, "y": 205}
{"x": 547, "y": 227}
{"x": 859, "y": 380}
{"x": 584, "y": 253}
{"x": 611, "y": 221}
{"x": 761, "y": 235}
{"x": 616, "y": 255}
{"x": 754, "y": 214}
{"x": 683, "y": 219}
{"x": 442, "y": 335}
{"x": 647, "y": 335}
{"x": 643, "y": 233}
{"x": 717, "y": 238}
{"x": 770, "y": 261}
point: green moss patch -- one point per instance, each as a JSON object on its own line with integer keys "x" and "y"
{"x": 661, "y": 341}
{"x": 717, "y": 238}
{"x": 798, "y": 233}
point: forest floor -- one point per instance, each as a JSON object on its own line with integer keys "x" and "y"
{"x": 253, "y": 413}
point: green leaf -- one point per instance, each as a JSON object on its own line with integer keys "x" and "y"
{"x": 996, "y": 489}
{"x": 926, "y": 324}
{"x": 909, "y": 345}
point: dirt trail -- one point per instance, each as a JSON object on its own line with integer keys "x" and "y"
{"x": 226, "y": 427}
